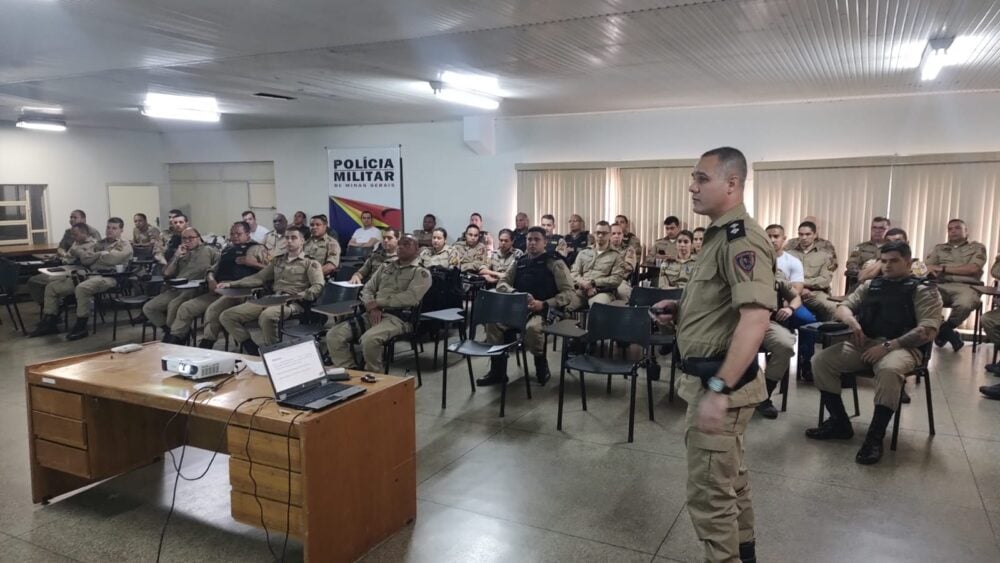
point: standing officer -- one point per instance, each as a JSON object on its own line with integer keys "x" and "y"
{"x": 546, "y": 280}
{"x": 892, "y": 317}
{"x": 957, "y": 265}
{"x": 597, "y": 271}
{"x": 242, "y": 257}
{"x": 398, "y": 285}
{"x": 991, "y": 325}
{"x": 292, "y": 273}
{"x": 106, "y": 253}
{"x": 385, "y": 252}
{"x": 721, "y": 321}
{"x": 192, "y": 261}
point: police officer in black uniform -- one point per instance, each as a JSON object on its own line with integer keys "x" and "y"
{"x": 546, "y": 280}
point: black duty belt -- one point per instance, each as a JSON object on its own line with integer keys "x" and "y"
{"x": 705, "y": 368}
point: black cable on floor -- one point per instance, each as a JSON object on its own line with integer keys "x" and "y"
{"x": 288, "y": 507}
{"x": 267, "y": 535}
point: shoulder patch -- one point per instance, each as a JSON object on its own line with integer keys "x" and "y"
{"x": 736, "y": 229}
{"x": 746, "y": 260}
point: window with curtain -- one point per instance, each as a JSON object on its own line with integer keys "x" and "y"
{"x": 563, "y": 192}
{"x": 649, "y": 195}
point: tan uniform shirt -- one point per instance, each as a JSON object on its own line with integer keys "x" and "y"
{"x": 254, "y": 250}
{"x": 445, "y": 258}
{"x": 560, "y": 272}
{"x": 665, "y": 248}
{"x": 423, "y": 237}
{"x": 735, "y": 268}
{"x": 926, "y": 303}
{"x": 67, "y": 239}
{"x": 372, "y": 264}
{"x": 274, "y": 243}
{"x": 116, "y": 252}
{"x": 820, "y": 243}
{"x": 605, "y": 269}
{"x": 196, "y": 263}
{"x": 471, "y": 258}
{"x": 818, "y": 266}
{"x": 500, "y": 263}
{"x": 397, "y": 286}
{"x": 676, "y": 273}
{"x": 861, "y": 254}
{"x": 995, "y": 271}
{"x": 633, "y": 241}
{"x": 293, "y": 276}
{"x": 325, "y": 250}
{"x": 150, "y": 237}
{"x": 76, "y": 250}
{"x": 630, "y": 259}
{"x": 968, "y": 252}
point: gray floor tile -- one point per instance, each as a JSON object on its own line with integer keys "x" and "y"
{"x": 984, "y": 456}
{"x": 14, "y": 549}
{"x": 443, "y": 534}
{"x": 442, "y": 440}
{"x": 613, "y": 495}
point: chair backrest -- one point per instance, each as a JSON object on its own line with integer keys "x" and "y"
{"x": 334, "y": 293}
{"x": 509, "y": 309}
{"x": 649, "y": 296}
{"x": 345, "y": 271}
{"x": 9, "y": 271}
{"x": 142, "y": 252}
{"x": 623, "y": 324}
{"x": 445, "y": 292}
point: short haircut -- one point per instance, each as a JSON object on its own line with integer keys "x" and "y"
{"x": 774, "y": 226}
{"x": 81, "y": 212}
{"x": 175, "y": 212}
{"x": 576, "y": 217}
{"x": 702, "y": 229}
{"x": 143, "y": 215}
{"x": 897, "y": 246}
{"x": 956, "y": 221}
{"x": 621, "y": 216}
{"x": 117, "y": 221}
{"x": 471, "y": 226}
{"x": 243, "y": 225}
{"x": 671, "y": 221}
{"x": 181, "y": 215}
{"x": 896, "y": 231}
{"x": 319, "y": 217}
{"x": 475, "y": 214}
{"x": 615, "y": 224}
{"x": 432, "y": 216}
{"x": 82, "y": 227}
{"x": 686, "y": 233}
{"x": 368, "y": 213}
{"x": 250, "y": 213}
{"x": 507, "y": 232}
{"x": 731, "y": 160}
{"x": 809, "y": 225}
{"x": 549, "y": 217}
{"x": 603, "y": 223}
{"x": 538, "y": 230}
{"x": 395, "y": 232}
{"x": 301, "y": 230}
{"x": 521, "y": 214}
{"x": 442, "y": 230}
{"x": 196, "y": 231}
{"x": 881, "y": 219}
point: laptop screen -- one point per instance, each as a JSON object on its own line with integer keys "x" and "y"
{"x": 292, "y": 366}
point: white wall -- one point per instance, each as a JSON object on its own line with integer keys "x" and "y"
{"x": 78, "y": 165}
{"x": 443, "y": 176}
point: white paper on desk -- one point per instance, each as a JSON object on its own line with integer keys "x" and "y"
{"x": 346, "y": 284}
{"x": 256, "y": 367}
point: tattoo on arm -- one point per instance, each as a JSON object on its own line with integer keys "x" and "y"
{"x": 917, "y": 337}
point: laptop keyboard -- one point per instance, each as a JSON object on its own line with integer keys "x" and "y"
{"x": 319, "y": 393}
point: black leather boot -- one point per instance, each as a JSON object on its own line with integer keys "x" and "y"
{"x": 79, "y": 329}
{"x": 206, "y": 344}
{"x": 871, "y": 451}
{"x": 748, "y": 552}
{"x": 250, "y": 347}
{"x": 497, "y": 373}
{"x": 542, "y": 369}
{"x": 48, "y": 324}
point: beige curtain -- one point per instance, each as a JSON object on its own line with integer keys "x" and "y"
{"x": 843, "y": 200}
{"x": 562, "y": 193}
{"x": 649, "y": 195}
{"x": 926, "y": 196}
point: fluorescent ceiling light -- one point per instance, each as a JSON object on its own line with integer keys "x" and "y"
{"x": 41, "y": 124}
{"x": 188, "y": 108}
{"x": 48, "y": 110}
{"x": 476, "y": 82}
{"x": 947, "y": 51}
{"x": 464, "y": 98}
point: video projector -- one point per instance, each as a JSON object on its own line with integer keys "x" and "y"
{"x": 196, "y": 363}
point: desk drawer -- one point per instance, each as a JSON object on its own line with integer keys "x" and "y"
{"x": 245, "y": 510}
{"x": 272, "y": 482}
{"x": 58, "y": 429}
{"x": 60, "y": 403}
{"x": 265, "y": 448}
{"x": 62, "y": 458}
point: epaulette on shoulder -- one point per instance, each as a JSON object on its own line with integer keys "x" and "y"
{"x": 735, "y": 230}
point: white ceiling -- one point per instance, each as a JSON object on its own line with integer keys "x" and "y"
{"x": 368, "y": 61}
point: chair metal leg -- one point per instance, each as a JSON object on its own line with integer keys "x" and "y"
{"x": 895, "y": 422}
{"x": 444, "y": 378}
{"x": 820, "y": 420}
{"x": 649, "y": 395}
{"x": 527, "y": 380}
{"x": 562, "y": 391}
{"x": 930, "y": 404}
{"x": 784, "y": 390}
{"x": 583, "y": 392}
{"x": 19, "y": 319}
{"x": 503, "y": 397}
{"x": 609, "y": 385}
{"x": 416, "y": 360}
{"x": 673, "y": 376}
{"x": 975, "y": 327}
{"x": 114, "y": 325}
{"x": 631, "y": 407}
{"x": 857, "y": 407}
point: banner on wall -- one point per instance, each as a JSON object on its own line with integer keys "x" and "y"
{"x": 365, "y": 179}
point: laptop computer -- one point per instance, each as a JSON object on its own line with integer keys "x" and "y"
{"x": 299, "y": 379}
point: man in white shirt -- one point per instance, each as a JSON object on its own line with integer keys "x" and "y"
{"x": 366, "y": 236}
{"x": 790, "y": 269}
{"x": 257, "y": 232}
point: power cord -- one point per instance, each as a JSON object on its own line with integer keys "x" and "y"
{"x": 288, "y": 507}
{"x": 246, "y": 448}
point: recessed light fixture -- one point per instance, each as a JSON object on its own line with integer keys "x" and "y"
{"x": 947, "y": 51}
{"x": 185, "y": 108}
{"x": 474, "y": 82}
{"x": 48, "y": 110}
{"x": 41, "y": 123}
{"x": 464, "y": 97}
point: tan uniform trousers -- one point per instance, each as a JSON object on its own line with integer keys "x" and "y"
{"x": 36, "y": 287}
{"x": 962, "y": 299}
{"x": 779, "y": 342}
{"x": 209, "y": 304}
{"x": 85, "y": 291}
{"x": 233, "y": 320}
{"x": 991, "y": 324}
{"x": 533, "y": 337}
{"x": 718, "y": 489}
{"x": 372, "y": 342}
{"x": 579, "y": 302}
{"x": 162, "y": 309}
{"x": 845, "y": 357}
{"x": 624, "y": 291}
{"x": 819, "y": 303}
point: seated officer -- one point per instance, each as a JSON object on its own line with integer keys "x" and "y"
{"x": 484, "y": 236}
{"x": 699, "y": 239}
{"x": 873, "y": 268}
{"x": 439, "y": 254}
{"x": 502, "y": 259}
{"x": 629, "y": 238}
{"x": 818, "y": 241}
{"x": 957, "y": 265}
{"x": 109, "y": 252}
{"x": 553, "y": 242}
{"x": 868, "y": 250}
{"x": 274, "y": 241}
{"x": 991, "y": 325}
{"x": 242, "y": 257}
{"x": 424, "y": 235}
{"x": 72, "y": 244}
{"x": 144, "y": 234}
{"x": 779, "y": 342}
{"x": 520, "y": 230}
{"x": 818, "y": 266}
{"x": 630, "y": 259}
{"x": 547, "y": 282}
{"x": 471, "y": 251}
{"x": 398, "y": 285}
{"x": 789, "y": 269}
{"x": 77, "y": 216}
{"x": 577, "y": 238}
{"x": 676, "y": 272}
{"x": 192, "y": 261}
{"x": 291, "y": 273}
{"x": 892, "y": 317}
{"x": 597, "y": 272}
{"x": 171, "y": 239}
{"x": 666, "y": 248}
{"x": 322, "y": 247}
{"x": 384, "y": 252}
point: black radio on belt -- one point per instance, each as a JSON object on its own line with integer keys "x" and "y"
{"x": 706, "y": 368}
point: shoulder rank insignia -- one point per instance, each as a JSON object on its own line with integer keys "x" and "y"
{"x": 735, "y": 230}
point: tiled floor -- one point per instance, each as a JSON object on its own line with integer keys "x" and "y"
{"x": 516, "y": 489}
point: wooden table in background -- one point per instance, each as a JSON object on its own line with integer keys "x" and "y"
{"x": 27, "y": 249}
{"x": 353, "y": 466}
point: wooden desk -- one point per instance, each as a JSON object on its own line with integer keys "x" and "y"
{"x": 353, "y": 466}
{"x": 27, "y": 249}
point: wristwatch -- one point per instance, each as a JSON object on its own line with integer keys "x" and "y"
{"x": 716, "y": 383}
{"x": 887, "y": 344}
